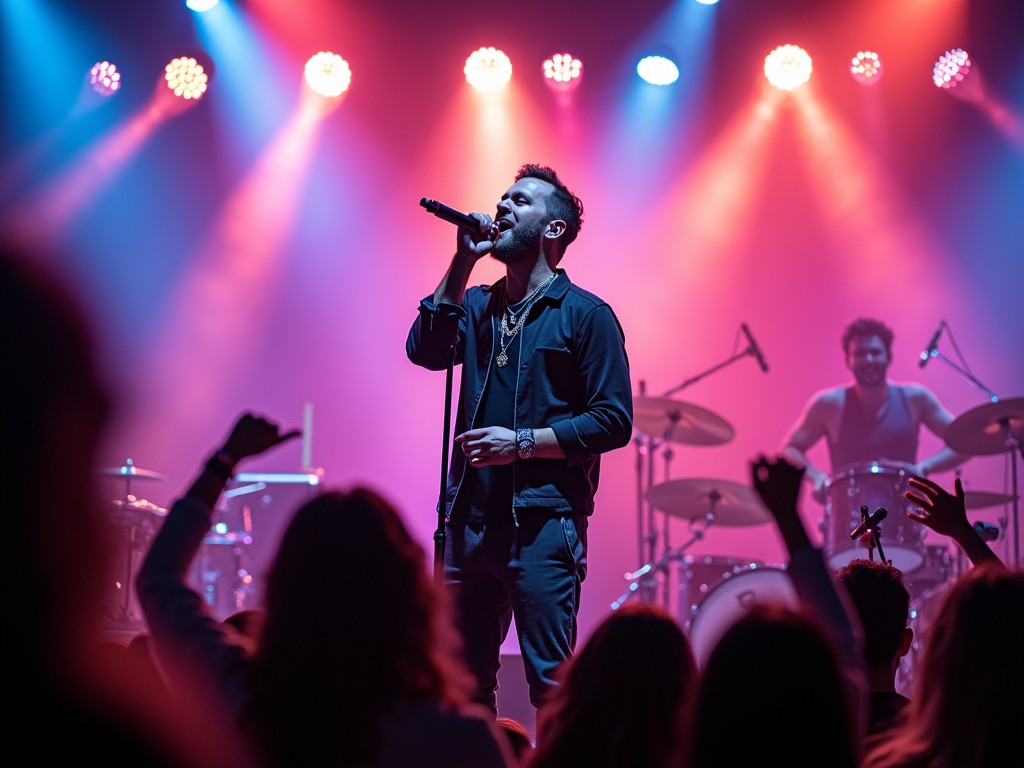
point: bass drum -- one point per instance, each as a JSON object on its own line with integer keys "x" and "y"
{"x": 872, "y": 485}
{"x": 726, "y": 602}
{"x": 698, "y": 574}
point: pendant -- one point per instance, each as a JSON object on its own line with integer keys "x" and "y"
{"x": 501, "y": 359}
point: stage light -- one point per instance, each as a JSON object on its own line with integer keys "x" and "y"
{"x": 200, "y": 5}
{"x": 562, "y": 71}
{"x": 104, "y": 78}
{"x": 866, "y": 67}
{"x": 328, "y": 74}
{"x": 951, "y": 68}
{"x": 488, "y": 69}
{"x": 787, "y": 67}
{"x": 186, "y": 78}
{"x": 657, "y": 70}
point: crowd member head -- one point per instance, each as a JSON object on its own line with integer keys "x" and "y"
{"x": 518, "y": 737}
{"x": 882, "y": 601}
{"x": 772, "y": 692}
{"x": 330, "y": 668}
{"x": 966, "y": 706}
{"x": 624, "y": 699}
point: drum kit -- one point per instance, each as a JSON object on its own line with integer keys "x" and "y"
{"x": 713, "y": 590}
{"x": 218, "y": 572}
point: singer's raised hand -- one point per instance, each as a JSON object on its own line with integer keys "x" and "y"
{"x": 478, "y": 242}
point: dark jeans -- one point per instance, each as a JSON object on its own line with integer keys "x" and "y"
{"x": 533, "y": 572}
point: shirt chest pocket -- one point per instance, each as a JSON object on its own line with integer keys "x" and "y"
{"x": 554, "y": 369}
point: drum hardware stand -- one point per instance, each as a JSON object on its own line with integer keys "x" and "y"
{"x": 647, "y": 536}
{"x": 642, "y": 578}
{"x": 1013, "y": 443}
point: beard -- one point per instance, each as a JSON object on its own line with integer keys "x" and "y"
{"x": 521, "y": 243}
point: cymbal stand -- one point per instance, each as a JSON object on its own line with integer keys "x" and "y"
{"x": 641, "y": 578}
{"x": 1013, "y": 445}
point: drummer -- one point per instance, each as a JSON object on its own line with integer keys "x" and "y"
{"x": 872, "y": 419}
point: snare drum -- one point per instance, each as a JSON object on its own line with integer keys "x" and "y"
{"x": 728, "y": 600}
{"x": 219, "y": 573}
{"x": 872, "y": 485}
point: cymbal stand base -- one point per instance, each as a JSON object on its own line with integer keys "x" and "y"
{"x": 644, "y": 579}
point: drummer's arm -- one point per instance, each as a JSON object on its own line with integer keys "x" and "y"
{"x": 804, "y": 435}
{"x": 937, "y": 419}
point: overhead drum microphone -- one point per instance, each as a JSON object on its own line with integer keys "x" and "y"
{"x": 753, "y": 348}
{"x": 933, "y": 346}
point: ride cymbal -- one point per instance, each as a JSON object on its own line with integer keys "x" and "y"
{"x": 721, "y": 501}
{"x": 680, "y": 422}
{"x": 989, "y": 428}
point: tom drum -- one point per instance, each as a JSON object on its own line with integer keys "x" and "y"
{"x": 872, "y": 485}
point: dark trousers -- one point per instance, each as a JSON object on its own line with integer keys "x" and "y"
{"x": 533, "y": 573}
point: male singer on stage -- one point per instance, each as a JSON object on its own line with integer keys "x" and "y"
{"x": 872, "y": 419}
{"x": 545, "y": 390}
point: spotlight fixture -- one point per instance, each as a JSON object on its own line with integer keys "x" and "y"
{"x": 186, "y": 78}
{"x": 328, "y": 74}
{"x": 951, "y": 68}
{"x": 488, "y": 69}
{"x": 104, "y": 78}
{"x": 562, "y": 71}
{"x": 787, "y": 67}
{"x": 657, "y": 70}
{"x": 866, "y": 67}
{"x": 200, "y": 5}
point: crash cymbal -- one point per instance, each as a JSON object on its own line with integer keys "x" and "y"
{"x": 130, "y": 471}
{"x": 680, "y": 422}
{"x": 982, "y": 499}
{"x": 989, "y": 428}
{"x": 729, "y": 503}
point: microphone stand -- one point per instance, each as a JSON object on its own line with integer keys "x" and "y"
{"x": 439, "y": 532}
{"x": 694, "y": 379}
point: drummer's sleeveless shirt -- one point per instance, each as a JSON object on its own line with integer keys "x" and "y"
{"x": 865, "y": 437}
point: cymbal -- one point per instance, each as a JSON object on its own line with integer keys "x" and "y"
{"x": 987, "y": 428}
{"x": 680, "y": 422}
{"x": 728, "y": 503}
{"x": 982, "y": 499}
{"x": 129, "y": 471}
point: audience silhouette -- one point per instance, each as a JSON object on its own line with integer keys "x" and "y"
{"x": 625, "y": 699}
{"x": 72, "y": 697}
{"x": 350, "y": 668}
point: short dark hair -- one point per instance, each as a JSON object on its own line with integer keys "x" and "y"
{"x": 867, "y": 326}
{"x": 563, "y": 204}
{"x": 882, "y": 600}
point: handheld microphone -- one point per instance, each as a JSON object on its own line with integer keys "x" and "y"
{"x": 869, "y": 522}
{"x": 754, "y": 349}
{"x": 933, "y": 345}
{"x": 450, "y": 215}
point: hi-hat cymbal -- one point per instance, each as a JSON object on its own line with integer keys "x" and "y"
{"x": 989, "y": 428}
{"x": 680, "y": 422}
{"x": 982, "y": 499}
{"x": 130, "y": 471}
{"x": 722, "y": 501}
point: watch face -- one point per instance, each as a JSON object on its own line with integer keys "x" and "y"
{"x": 525, "y": 444}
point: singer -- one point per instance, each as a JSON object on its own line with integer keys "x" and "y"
{"x": 545, "y": 390}
{"x": 873, "y": 419}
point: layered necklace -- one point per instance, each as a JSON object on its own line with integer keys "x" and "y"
{"x": 508, "y": 318}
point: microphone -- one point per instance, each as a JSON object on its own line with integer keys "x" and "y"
{"x": 754, "y": 349}
{"x": 869, "y": 522}
{"x": 932, "y": 347}
{"x": 987, "y": 531}
{"x": 450, "y": 215}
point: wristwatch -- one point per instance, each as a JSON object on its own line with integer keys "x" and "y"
{"x": 526, "y": 446}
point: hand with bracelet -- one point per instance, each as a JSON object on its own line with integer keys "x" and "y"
{"x": 494, "y": 446}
